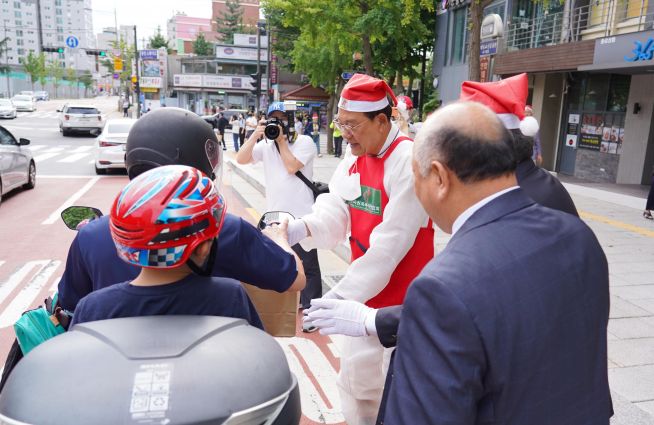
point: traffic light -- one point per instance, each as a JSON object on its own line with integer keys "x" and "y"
{"x": 53, "y": 49}
{"x": 102, "y": 53}
{"x": 256, "y": 83}
{"x": 94, "y": 52}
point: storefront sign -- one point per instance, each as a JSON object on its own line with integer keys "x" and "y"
{"x": 488, "y": 47}
{"x": 484, "y": 63}
{"x": 249, "y": 40}
{"x": 150, "y": 54}
{"x": 187, "y": 80}
{"x": 590, "y": 141}
{"x": 642, "y": 51}
{"x": 242, "y": 53}
{"x": 216, "y": 81}
{"x": 154, "y": 82}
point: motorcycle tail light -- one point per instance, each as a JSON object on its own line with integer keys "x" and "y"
{"x": 105, "y": 144}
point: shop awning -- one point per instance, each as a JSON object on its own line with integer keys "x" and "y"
{"x": 307, "y": 92}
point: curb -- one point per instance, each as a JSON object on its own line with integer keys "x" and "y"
{"x": 342, "y": 251}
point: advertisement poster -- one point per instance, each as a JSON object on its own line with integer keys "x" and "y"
{"x": 604, "y": 148}
{"x": 613, "y": 148}
{"x": 606, "y": 134}
{"x": 592, "y": 133}
{"x": 151, "y": 68}
{"x": 573, "y": 118}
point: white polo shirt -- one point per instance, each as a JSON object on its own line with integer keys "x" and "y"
{"x": 284, "y": 191}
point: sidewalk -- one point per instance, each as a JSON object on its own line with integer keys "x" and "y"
{"x": 613, "y": 212}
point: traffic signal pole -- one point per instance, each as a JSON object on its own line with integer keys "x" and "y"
{"x": 137, "y": 89}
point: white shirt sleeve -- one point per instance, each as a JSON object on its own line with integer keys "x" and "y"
{"x": 257, "y": 152}
{"x": 329, "y": 221}
{"x": 305, "y": 150}
{"x": 391, "y": 239}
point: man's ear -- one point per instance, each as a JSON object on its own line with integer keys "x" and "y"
{"x": 440, "y": 178}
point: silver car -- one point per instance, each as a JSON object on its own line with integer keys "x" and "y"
{"x": 24, "y": 102}
{"x": 7, "y": 109}
{"x": 110, "y": 145}
{"x": 17, "y": 167}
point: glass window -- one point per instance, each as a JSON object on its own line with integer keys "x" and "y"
{"x": 19, "y": 33}
{"x": 458, "y": 36}
{"x": 6, "y": 138}
{"x": 211, "y": 68}
{"x": 17, "y": 4}
{"x": 618, "y": 93}
{"x": 596, "y": 92}
{"x": 17, "y": 14}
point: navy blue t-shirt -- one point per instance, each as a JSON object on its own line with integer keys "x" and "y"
{"x": 194, "y": 295}
{"x": 243, "y": 253}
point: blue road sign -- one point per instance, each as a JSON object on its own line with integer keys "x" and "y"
{"x": 347, "y": 75}
{"x": 72, "y": 41}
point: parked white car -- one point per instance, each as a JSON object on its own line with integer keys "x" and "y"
{"x": 24, "y": 102}
{"x": 110, "y": 146}
{"x": 17, "y": 167}
{"x": 7, "y": 109}
{"x": 80, "y": 118}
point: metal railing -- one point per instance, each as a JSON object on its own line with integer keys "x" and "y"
{"x": 601, "y": 18}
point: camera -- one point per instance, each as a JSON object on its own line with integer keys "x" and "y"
{"x": 272, "y": 131}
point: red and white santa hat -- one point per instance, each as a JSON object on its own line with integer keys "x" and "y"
{"x": 507, "y": 98}
{"x": 364, "y": 93}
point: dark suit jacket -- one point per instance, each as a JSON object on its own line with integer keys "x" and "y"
{"x": 536, "y": 183}
{"x": 507, "y": 325}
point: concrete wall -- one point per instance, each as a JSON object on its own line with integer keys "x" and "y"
{"x": 638, "y": 131}
{"x": 547, "y": 110}
{"x": 450, "y": 80}
{"x": 595, "y": 166}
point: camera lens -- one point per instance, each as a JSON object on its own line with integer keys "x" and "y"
{"x": 271, "y": 131}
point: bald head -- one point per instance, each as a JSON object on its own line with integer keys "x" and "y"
{"x": 469, "y": 139}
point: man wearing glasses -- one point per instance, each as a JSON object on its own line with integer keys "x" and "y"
{"x": 372, "y": 198}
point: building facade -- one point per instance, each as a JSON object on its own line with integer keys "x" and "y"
{"x": 250, "y": 10}
{"x": 182, "y": 30}
{"x": 31, "y": 25}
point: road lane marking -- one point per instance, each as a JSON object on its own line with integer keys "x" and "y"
{"x": 44, "y": 156}
{"x": 615, "y": 223}
{"x": 56, "y": 214}
{"x": 26, "y": 296}
{"x": 82, "y": 149}
{"x": 74, "y": 158}
{"x": 70, "y": 176}
{"x": 12, "y": 282}
{"x": 55, "y": 286}
{"x": 36, "y": 147}
{"x": 318, "y": 392}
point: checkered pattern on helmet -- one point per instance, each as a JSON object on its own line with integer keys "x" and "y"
{"x": 165, "y": 257}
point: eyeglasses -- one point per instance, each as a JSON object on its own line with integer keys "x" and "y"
{"x": 346, "y": 127}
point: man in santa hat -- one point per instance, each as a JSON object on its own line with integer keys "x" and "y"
{"x": 403, "y": 115}
{"x": 390, "y": 235}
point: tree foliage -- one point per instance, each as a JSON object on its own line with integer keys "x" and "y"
{"x": 158, "y": 40}
{"x": 56, "y": 72}
{"x": 87, "y": 80}
{"x": 231, "y": 21}
{"x": 3, "y": 53}
{"x": 201, "y": 46}
{"x": 34, "y": 66}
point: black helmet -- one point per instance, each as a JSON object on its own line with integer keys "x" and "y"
{"x": 172, "y": 136}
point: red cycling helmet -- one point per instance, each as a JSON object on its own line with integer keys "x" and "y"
{"x": 162, "y": 215}
{"x": 406, "y": 100}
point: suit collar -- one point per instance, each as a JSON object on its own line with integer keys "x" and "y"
{"x": 525, "y": 168}
{"x": 497, "y": 208}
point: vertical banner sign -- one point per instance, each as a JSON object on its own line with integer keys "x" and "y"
{"x": 273, "y": 63}
{"x": 484, "y": 62}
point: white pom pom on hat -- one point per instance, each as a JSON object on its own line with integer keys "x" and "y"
{"x": 507, "y": 98}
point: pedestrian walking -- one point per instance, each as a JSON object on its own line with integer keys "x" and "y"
{"x": 221, "y": 124}
{"x": 241, "y": 129}
{"x": 282, "y": 158}
{"x": 125, "y": 107}
{"x": 649, "y": 206}
{"x": 251, "y": 124}
{"x": 338, "y": 140}
{"x": 371, "y": 203}
{"x": 236, "y": 129}
{"x": 537, "y": 155}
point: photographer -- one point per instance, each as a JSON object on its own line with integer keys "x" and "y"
{"x": 283, "y": 153}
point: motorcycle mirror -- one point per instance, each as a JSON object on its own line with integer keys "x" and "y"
{"x": 76, "y": 216}
{"x": 274, "y": 217}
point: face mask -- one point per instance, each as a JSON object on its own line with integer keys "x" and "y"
{"x": 347, "y": 187}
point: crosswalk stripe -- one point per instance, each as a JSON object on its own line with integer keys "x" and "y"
{"x": 36, "y": 147}
{"x": 10, "y": 284}
{"x": 73, "y": 158}
{"x": 55, "y": 285}
{"x": 26, "y": 296}
{"x": 45, "y": 156}
{"x": 82, "y": 149}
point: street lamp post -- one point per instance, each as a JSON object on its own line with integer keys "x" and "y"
{"x": 4, "y": 24}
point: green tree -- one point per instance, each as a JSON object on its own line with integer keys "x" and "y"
{"x": 34, "y": 66}
{"x": 70, "y": 75}
{"x": 231, "y": 21}
{"x": 56, "y": 73}
{"x": 87, "y": 80}
{"x": 201, "y": 46}
{"x": 158, "y": 40}
{"x": 3, "y": 52}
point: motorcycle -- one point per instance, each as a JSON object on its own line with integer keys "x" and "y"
{"x": 153, "y": 370}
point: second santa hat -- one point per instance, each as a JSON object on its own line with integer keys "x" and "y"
{"x": 507, "y": 98}
{"x": 364, "y": 93}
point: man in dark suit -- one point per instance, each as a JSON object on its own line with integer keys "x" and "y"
{"x": 508, "y": 324}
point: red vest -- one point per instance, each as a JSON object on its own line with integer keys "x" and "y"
{"x": 366, "y": 213}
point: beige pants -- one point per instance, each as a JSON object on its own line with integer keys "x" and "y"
{"x": 364, "y": 363}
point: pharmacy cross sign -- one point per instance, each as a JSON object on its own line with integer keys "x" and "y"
{"x": 72, "y": 41}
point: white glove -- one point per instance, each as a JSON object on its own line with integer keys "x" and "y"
{"x": 297, "y": 231}
{"x": 335, "y": 316}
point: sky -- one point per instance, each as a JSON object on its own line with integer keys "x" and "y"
{"x": 146, "y": 14}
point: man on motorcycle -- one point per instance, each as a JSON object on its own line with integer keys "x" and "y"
{"x": 170, "y": 136}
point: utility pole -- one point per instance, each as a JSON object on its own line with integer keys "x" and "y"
{"x": 258, "y": 94}
{"x": 39, "y": 26}
{"x": 6, "y": 52}
{"x": 268, "y": 84}
{"x": 137, "y": 89}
